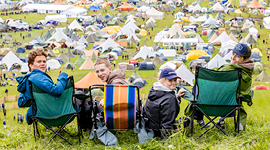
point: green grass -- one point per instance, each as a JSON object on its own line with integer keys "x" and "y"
{"x": 256, "y": 135}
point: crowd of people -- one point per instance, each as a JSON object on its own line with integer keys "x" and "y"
{"x": 163, "y": 103}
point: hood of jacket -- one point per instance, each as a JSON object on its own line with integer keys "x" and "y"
{"x": 247, "y": 64}
{"x": 117, "y": 76}
{"x": 158, "y": 90}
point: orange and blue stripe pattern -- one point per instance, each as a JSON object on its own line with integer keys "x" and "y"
{"x": 120, "y": 107}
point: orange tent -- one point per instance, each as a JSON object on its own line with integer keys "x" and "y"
{"x": 83, "y": 2}
{"x": 58, "y": 2}
{"x": 89, "y": 53}
{"x": 122, "y": 43}
{"x": 90, "y": 79}
{"x": 87, "y": 64}
{"x": 126, "y": 7}
{"x": 255, "y": 4}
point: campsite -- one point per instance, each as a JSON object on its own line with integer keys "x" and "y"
{"x": 141, "y": 37}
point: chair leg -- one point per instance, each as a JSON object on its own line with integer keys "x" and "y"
{"x": 79, "y": 130}
{"x": 37, "y": 129}
{"x": 191, "y": 123}
{"x": 34, "y": 128}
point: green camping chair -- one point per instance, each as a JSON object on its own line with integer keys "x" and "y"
{"x": 217, "y": 93}
{"x": 53, "y": 111}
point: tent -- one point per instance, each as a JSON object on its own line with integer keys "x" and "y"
{"x": 58, "y": 18}
{"x": 143, "y": 32}
{"x": 58, "y": 36}
{"x": 90, "y": 79}
{"x": 126, "y": 7}
{"x": 107, "y": 44}
{"x": 184, "y": 73}
{"x": 69, "y": 65}
{"x": 255, "y": 4}
{"x": 147, "y": 66}
{"x": 11, "y": 59}
{"x": 59, "y": 2}
{"x": 133, "y": 77}
{"x": 25, "y": 67}
{"x": 157, "y": 61}
{"x": 157, "y": 15}
{"x": 216, "y": 62}
{"x": 94, "y": 56}
{"x": 143, "y": 53}
{"x": 53, "y": 64}
{"x": 266, "y": 22}
{"x": 261, "y": 87}
{"x": 167, "y": 65}
{"x": 256, "y": 50}
{"x": 263, "y": 76}
{"x": 75, "y": 25}
{"x": 174, "y": 30}
{"x": 79, "y": 61}
{"x": 69, "y": 54}
{"x": 222, "y": 38}
{"x": 168, "y": 52}
{"x": 87, "y": 64}
{"x": 63, "y": 57}
{"x": 195, "y": 54}
{"x": 258, "y": 68}
{"x": 20, "y": 49}
{"x": 126, "y": 66}
{"x": 233, "y": 37}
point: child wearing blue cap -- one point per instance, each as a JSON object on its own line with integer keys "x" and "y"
{"x": 240, "y": 60}
{"x": 162, "y": 104}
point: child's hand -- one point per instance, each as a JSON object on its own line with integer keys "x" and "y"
{"x": 101, "y": 103}
{"x": 181, "y": 92}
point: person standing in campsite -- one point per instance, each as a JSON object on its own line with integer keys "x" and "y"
{"x": 4, "y": 123}
{"x": 106, "y": 74}
{"x": 5, "y": 112}
{"x": 37, "y": 64}
{"x": 14, "y": 117}
{"x": 18, "y": 117}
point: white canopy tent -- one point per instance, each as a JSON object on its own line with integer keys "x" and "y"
{"x": 144, "y": 52}
{"x": 11, "y": 59}
{"x": 228, "y": 56}
{"x": 58, "y": 18}
{"x": 216, "y": 62}
{"x": 75, "y": 25}
{"x": 184, "y": 73}
{"x": 168, "y": 52}
{"x": 180, "y": 42}
{"x": 75, "y": 12}
{"x": 58, "y": 36}
{"x": 168, "y": 65}
{"x": 222, "y": 38}
{"x": 47, "y": 8}
{"x": 107, "y": 44}
{"x": 266, "y": 22}
{"x": 155, "y": 14}
{"x": 143, "y": 9}
{"x": 24, "y": 67}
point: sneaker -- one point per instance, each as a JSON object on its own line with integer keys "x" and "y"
{"x": 221, "y": 124}
{"x": 201, "y": 123}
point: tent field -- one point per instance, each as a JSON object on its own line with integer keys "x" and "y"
{"x": 80, "y": 59}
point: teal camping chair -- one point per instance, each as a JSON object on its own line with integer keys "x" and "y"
{"x": 54, "y": 112}
{"x": 217, "y": 93}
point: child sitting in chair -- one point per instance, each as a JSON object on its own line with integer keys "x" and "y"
{"x": 162, "y": 105}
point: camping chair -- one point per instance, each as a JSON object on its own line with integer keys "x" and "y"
{"x": 217, "y": 93}
{"x": 120, "y": 107}
{"x": 52, "y": 111}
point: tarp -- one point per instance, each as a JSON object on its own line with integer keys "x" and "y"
{"x": 90, "y": 79}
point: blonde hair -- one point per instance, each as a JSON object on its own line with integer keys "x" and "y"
{"x": 103, "y": 60}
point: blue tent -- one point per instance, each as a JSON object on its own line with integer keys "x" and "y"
{"x": 52, "y": 22}
{"x": 94, "y": 7}
{"x": 118, "y": 51}
{"x": 85, "y": 24}
{"x": 38, "y": 27}
{"x": 95, "y": 46}
{"x": 132, "y": 1}
{"x": 23, "y": 59}
{"x": 147, "y": 66}
{"x": 1, "y": 58}
{"x": 20, "y": 50}
{"x": 99, "y": 25}
{"x": 61, "y": 61}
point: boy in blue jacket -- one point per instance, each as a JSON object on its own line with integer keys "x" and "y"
{"x": 37, "y": 66}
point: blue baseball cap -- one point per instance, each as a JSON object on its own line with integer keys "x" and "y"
{"x": 168, "y": 73}
{"x": 242, "y": 50}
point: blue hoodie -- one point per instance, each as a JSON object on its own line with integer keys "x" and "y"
{"x": 44, "y": 82}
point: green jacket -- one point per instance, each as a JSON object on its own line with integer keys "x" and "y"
{"x": 247, "y": 67}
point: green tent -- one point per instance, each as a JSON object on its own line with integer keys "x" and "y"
{"x": 263, "y": 76}
{"x": 79, "y": 61}
{"x": 47, "y": 35}
{"x": 258, "y": 68}
{"x": 66, "y": 31}
{"x": 251, "y": 40}
{"x": 69, "y": 54}
{"x": 69, "y": 65}
{"x": 187, "y": 46}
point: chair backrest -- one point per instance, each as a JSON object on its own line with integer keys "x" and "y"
{"x": 217, "y": 92}
{"x": 120, "y": 104}
{"x": 52, "y": 108}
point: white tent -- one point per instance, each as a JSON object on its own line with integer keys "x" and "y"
{"x": 168, "y": 52}
{"x": 222, "y": 38}
{"x": 217, "y": 6}
{"x": 3, "y": 6}
{"x": 167, "y": 65}
{"x": 47, "y": 8}
{"x": 75, "y": 25}
{"x": 200, "y": 40}
{"x": 266, "y": 22}
{"x": 143, "y": 8}
{"x": 75, "y": 12}
{"x": 211, "y": 20}
{"x": 253, "y": 31}
{"x": 11, "y": 59}
{"x": 160, "y": 36}
{"x": 243, "y": 41}
{"x": 53, "y": 64}
{"x": 175, "y": 29}
{"x": 155, "y": 14}
{"x": 82, "y": 40}
{"x": 112, "y": 54}
{"x": 58, "y": 36}
{"x": 201, "y": 18}
{"x": 197, "y": 8}
{"x": 216, "y": 62}
{"x": 179, "y": 14}
{"x": 24, "y": 67}
{"x": 226, "y": 47}
{"x": 107, "y": 44}
{"x": 25, "y": 2}
{"x": 58, "y": 18}
{"x": 144, "y": 52}
{"x": 151, "y": 19}
{"x": 228, "y": 56}
{"x": 184, "y": 73}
